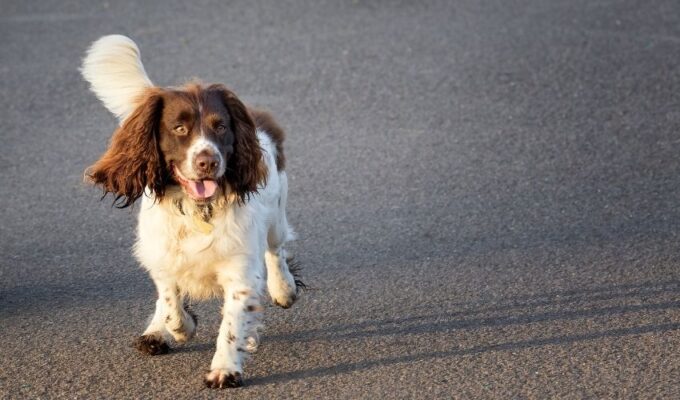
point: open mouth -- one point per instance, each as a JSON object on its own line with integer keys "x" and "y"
{"x": 200, "y": 190}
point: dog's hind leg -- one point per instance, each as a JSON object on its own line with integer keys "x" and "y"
{"x": 281, "y": 283}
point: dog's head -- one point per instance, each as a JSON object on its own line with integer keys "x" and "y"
{"x": 201, "y": 138}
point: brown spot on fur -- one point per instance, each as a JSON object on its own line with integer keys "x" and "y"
{"x": 240, "y": 293}
{"x": 178, "y": 205}
{"x": 265, "y": 122}
{"x": 252, "y": 308}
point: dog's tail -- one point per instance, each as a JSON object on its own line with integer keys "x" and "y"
{"x": 114, "y": 69}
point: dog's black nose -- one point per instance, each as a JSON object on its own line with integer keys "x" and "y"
{"x": 206, "y": 162}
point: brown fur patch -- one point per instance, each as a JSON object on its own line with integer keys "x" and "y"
{"x": 266, "y": 122}
{"x": 145, "y": 149}
{"x": 133, "y": 159}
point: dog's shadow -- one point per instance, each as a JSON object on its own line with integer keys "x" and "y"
{"x": 518, "y": 311}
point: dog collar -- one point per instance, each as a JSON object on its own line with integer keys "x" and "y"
{"x": 200, "y": 218}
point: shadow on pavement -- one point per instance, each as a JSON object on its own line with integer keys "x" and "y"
{"x": 395, "y": 325}
{"x": 516, "y": 345}
{"x": 514, "y": 311}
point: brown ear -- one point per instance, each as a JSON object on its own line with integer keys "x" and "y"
{"x": 246, "y": 168}
{"x": 133, "y": 159}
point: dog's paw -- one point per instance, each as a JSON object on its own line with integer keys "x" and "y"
{"x": 221, "y": 378}
{"x": 283, "y": 291}
{"x": 151, "y": 345}
{"x": 283, "y": 279}
{"x": 285, "y": 301}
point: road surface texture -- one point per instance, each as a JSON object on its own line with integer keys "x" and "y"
{"x": 486, "y": 192}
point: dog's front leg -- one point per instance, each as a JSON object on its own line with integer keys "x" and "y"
{"x": 242, "y": 281}
{"x": 170, "y": 318}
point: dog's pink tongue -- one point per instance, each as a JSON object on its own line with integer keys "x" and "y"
{"x": 203, "y": 189}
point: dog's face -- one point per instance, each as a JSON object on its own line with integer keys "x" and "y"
{"x": 202, "y": 139}
{"x": 196, "y": 140}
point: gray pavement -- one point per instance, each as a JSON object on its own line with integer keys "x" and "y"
{"x": 487, "y": 196}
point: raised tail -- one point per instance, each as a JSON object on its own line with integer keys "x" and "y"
{"x": 114, "y": 69}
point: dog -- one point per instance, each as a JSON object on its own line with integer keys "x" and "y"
{"x": 210, "y": 173}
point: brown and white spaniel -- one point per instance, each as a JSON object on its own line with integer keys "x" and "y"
{"x": 210, "y": 175}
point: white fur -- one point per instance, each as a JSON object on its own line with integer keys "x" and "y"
{"x": 250, "y": 229}
{"x": 114, "y": 69}
{"x": 200, "y": 144}
{"x": 186, "y": 261}
{"x": 229, "y": 262}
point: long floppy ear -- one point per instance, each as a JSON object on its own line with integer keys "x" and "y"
{"x": 246, "y": 169}
{"x": 133, "y": 160}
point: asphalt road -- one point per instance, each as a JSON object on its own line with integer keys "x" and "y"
{"x": 487, "y": 196}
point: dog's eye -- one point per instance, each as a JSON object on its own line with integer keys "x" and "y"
{"x": 181, "y": 130}
{"x": 220, "y": 128}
